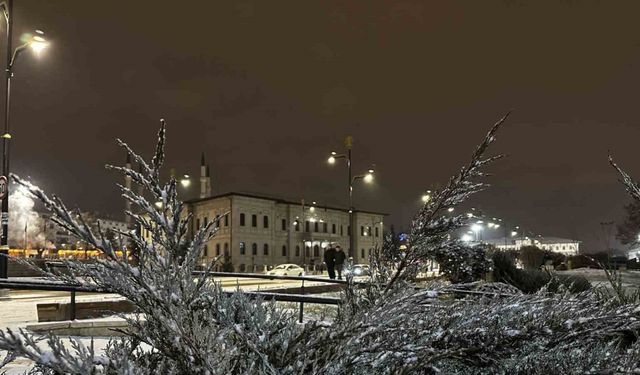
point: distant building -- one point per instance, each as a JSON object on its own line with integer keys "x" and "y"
{"x": 634, "y": 252}
{"x": 559, "y": 245}
{"x": 256, "y": 232}
{"x": 62, "y": 239}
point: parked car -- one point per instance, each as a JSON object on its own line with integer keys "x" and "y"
{"x": 359, "y": 270}
{"x": 286, "y": 270}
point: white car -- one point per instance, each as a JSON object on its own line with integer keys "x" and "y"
{"x": 359, "y": 270}
{"x": 286, "y": 270}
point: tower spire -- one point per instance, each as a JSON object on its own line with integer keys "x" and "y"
{"x": 127, "y": 184}
{"x": 203, "y": 177}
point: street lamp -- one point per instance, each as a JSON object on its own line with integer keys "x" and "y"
{"x": 185, "y": 181}
{"x": 37, "y": 43}
{"x": 426, "y": 197}
{"x": 368, "y": 178}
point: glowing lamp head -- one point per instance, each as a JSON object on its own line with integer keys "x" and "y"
{"x": 185, "y": 181}
{"x": 514, "y": 233}
{"x": 466, "y": 237}
{"x": 426, "y": 198}
{"x": 476, "y": 227}
{"x": 368, "y": 178}
{"x": 450, "y": 209}
{"x": 38, "y": 42}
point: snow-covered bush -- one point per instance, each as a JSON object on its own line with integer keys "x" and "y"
{"x": 391, "y": 326}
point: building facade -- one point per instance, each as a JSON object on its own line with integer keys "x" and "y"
{"x": 256, "y": 233}
{"x": 558, "y": 245}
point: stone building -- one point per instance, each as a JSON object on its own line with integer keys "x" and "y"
{"x": 563, "y": 246}
{"x": 258, "y": 232}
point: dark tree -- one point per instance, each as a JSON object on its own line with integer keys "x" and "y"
{"x": 531, "y": 257}
{"x": 629, "y": 229}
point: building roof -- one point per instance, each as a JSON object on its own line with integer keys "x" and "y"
{"x": 277, "y": 200}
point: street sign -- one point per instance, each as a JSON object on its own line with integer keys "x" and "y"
{"x": 4, "y": 187}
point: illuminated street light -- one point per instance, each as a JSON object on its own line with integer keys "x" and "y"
{"x": 37, "y": 44}
{"x": 426, "y": 197}
{"x": 185, "y": 181}
{"x": 514, "y": 233}
{"x": 450, "y": 209}
{"x": 466, "y": 237}
{"x": 476, "y": 228}
{"x": 368, "y": 178}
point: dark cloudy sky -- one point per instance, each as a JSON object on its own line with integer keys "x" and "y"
{"x": 267, "y": 88}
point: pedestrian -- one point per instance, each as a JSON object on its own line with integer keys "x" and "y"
{"x": 340, "y": 257}
{"x": 330, "y": 261}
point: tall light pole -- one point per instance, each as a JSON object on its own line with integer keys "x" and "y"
{"x": 367, "y": 177}
{"x": 37, "y": 43}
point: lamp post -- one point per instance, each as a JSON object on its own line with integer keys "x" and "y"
{"x": 367, "y": 177}
{"x": 37, "y": 43}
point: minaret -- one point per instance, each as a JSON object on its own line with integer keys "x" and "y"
{"x": 208, "y": 182}
{"x": 127, "y": 184}
{"x": 203, "y": 178}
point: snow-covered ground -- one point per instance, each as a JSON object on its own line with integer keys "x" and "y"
{"x": 630, "y": 278}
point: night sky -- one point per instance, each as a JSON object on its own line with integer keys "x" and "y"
{"x": 268, "y": 88}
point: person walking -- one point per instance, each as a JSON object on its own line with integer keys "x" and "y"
{"x": 330, "y": 261}
{"x": 340, "y": 257}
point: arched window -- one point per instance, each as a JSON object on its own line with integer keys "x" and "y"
{"x": 369, "y": 233}
{"x": 265, "y": 221}
{"x": 333, "y": 228}
{"x": 284, "y": 250}
{"x": 316, "y": 251}
{"x": 315, "y": 227}
{"x": 254, "y": 220}
{"x": 306, "y": 226}
{"x": 226, "y": 220}
{"x": 206, "y": 250}
{"x": 342, "y": 230}
{"x": 361, "y": 230}
{"x": 324, "y": 227}
{"x": 362, "y": 253}
{"x": 254, "y": 249}
{"x": 265, "y": 249}
{"x": 306, "y": 251}
{"x": 217, "y": 221}
{"x": 284, "y": 224}
{"x": 226, "y": 249}
{"x": 297, "y": 250}
{"x": 217, "y": 249}
{"x": 242, "y": 248}
{"x": 206, "y": 221}
{"x": 377, "y": 232}
{"x": 242, "y": 220}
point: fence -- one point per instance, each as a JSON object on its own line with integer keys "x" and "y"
{"x": 280, "y": 297}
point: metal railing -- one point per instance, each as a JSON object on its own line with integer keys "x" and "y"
{"x": 73, "y": 289}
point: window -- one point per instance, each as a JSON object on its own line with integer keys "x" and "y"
{"x": 265, "y": 249}
{"x": 315, "y": 227}
{"x": 333, "y": 228}
{"x": 306, "y": 251}
{"x": 226, "y": 220}
{"x": 284, "y": 250}
{"x": 226, "y": 249}
{"x": 324, "y": 227}
{"x": 242, "y": 248}
{"x": 361, "y": 230}
{"x": 243, "y": 268}
{"x": 254, "y": 249}
{"x": 284, "y": 224}
{"x": 217, "y": 249}
{"x": 217, "y": 221}
{"x": 369, "y": 233}
{"x": 296, "y": 225}
{"x": 265, "y": 221}
{"x": 206, "y": 250}
{"x": 306, "y": 226}
{"x": 316, "y": 251}
{"x": 206, "y": 221}
{"x": 297, "y": 250}
{"x": 348, "y": 230}
{"x": 242, "y": 220}
{"x": 370, "y": 249}
{"x": 342, "y": 230}
{"x": 377, "y": 232}
{"x": 254, "y": 220}
{"x": 362, "y": 253}
{"x": 197, "y": 224}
